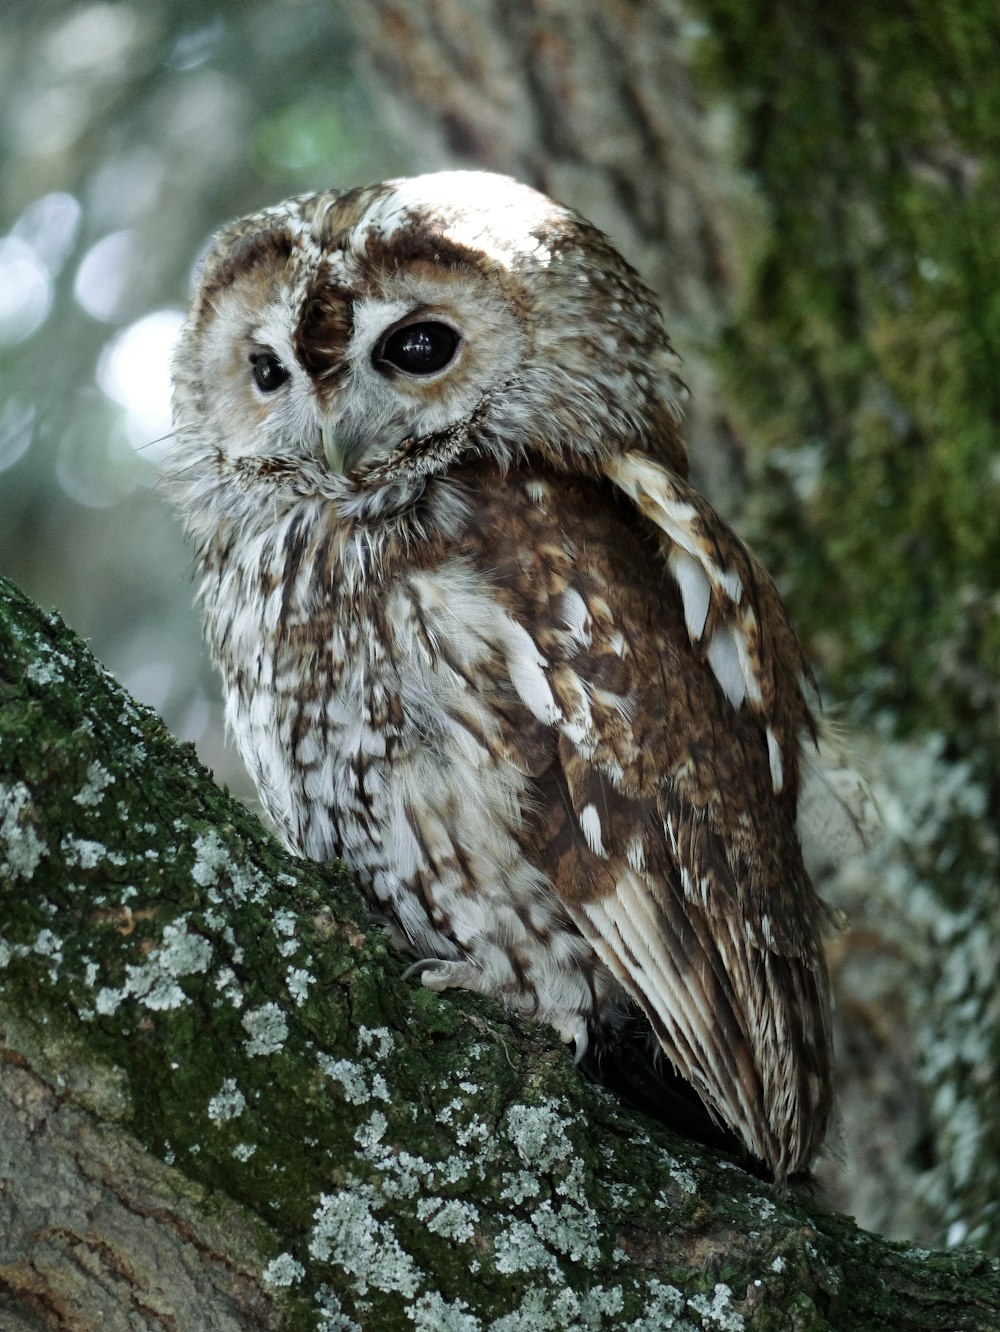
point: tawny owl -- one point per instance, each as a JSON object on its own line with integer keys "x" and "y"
{"x": 482, "y": 639}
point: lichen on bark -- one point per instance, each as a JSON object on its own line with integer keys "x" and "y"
{"x": 392, "y": 1156}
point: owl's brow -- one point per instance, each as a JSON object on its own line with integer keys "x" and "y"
{"x": 416, "y": 244}
{"x": 258, "y": 250}
{"x": 323, "y": 332}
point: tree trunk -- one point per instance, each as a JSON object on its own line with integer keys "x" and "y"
{"x": 598, "y": 105}
{"x": 223, "y": 1107}
{"x": 812, "y": 192}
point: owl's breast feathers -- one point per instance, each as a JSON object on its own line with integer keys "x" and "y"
{"x": 666, "y": 784}
{"x": 556, "y": 733}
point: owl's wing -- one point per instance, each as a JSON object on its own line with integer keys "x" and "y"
{"x": 666, "y": 818}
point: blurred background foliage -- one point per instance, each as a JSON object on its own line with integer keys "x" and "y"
{"x": 128, "y": 133}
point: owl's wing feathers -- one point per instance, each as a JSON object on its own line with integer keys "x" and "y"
{"x": 731, "y": 606}
{"x": 666, "y": 820}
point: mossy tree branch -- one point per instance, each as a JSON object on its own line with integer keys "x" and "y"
{"x": 223, "y": 1107}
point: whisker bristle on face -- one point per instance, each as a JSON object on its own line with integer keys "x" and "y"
{"x": 160, "y": 439}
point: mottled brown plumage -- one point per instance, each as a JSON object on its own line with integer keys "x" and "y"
{"x": 481, "y": 638}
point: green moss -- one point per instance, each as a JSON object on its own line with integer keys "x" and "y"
{"x": 402, "y": 1158}
{"x": 864, "y": 361}
{"x": 873, "y": 322}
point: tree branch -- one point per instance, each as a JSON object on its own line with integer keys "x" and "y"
{"x": 223, "y": 1107}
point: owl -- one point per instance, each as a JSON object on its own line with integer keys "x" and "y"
{"x": 481, "y": 638}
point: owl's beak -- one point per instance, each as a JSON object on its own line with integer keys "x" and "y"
{"x": 334, "y": 448}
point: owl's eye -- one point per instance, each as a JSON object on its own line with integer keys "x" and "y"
{"x": 419, "y": 349}
{"x": 268, "y": 372}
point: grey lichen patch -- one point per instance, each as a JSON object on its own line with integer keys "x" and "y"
{"x": 573, "y": 1227}
{"x": 369, "y": 1136}
{"x": 518, "y": 1185}
{"x": 21, "y": 848}
{"x": 266, "y": 1028}
{"x": 405, "y": 1174}
{"x": 87, "y": 854}
{"x": 284, "y": 922}
{"x": 361, "y": 1080}
{"x": 331, "y": 1312}
{"x": 357, "y": 1082}
{"x": 48, "y": 670}
{"x": 226, "y": 878}
{"x": 155, "y": 981}
{"x": 433, "y": 1313}
{"x": 283, "y": 1271}
{"x": 379, "y": 1040}
{"x": 540, "y": 1135}
{"x": 449, "y": 1218}
{"x": 298, "y": 980}
{"x": 228, "y": 1102}
{"x": 663, "y": 1309}
{"x": 348, "y": 1233}
{"x": 681, "y": 1175}
{"x": 518, "y": 1248}
{"x": 717, "y": 1311}
{"x": 227, "y": 983}
{"x": 546, "y": 1309}
{"x": 98, "y": 780}
{"x": 350, "y": 1075}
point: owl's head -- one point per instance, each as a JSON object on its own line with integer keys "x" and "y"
{"x": 392, "y": 330}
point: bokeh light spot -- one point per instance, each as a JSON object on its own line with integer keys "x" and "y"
{"x": 49, "y": 226}
{"x": 96, "y": 38}
{"x": 102, "y": 278}
{"x": 134, "y": 370}
{"x": 25, "y": 291}
{"x": 17, "y": 426}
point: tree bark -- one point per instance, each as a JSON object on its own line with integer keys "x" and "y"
{"x": 812, "y": 193}
{"x": 222, "y": 1106}
{"x": 598, "y": 105}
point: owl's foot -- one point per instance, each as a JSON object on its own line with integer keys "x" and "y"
{"x": 574, "y": 1032}
{"x": 396, "y": 935}
{"x": 438, "y": 974}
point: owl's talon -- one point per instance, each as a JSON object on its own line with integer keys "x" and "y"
{"x": 574, "y": 1032}
{"x": 436, "y": 973}
{"x": 580, "y": 1044}
{"x": 414, "y": 967}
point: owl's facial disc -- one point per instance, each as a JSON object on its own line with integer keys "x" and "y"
{"x": 416, "y": 348}
{"x": 424, "y": 349}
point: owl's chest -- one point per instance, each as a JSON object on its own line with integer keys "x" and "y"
{"x": 357, "y": 703}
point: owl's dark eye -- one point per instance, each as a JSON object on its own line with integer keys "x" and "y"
{"x": 268, "y": 372}
{"x": 419, "y": 349}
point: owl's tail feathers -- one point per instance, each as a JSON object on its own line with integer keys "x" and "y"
{"x": 631, "y": 1064}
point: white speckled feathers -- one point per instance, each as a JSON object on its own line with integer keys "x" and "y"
{"x": 480, "y": 637}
